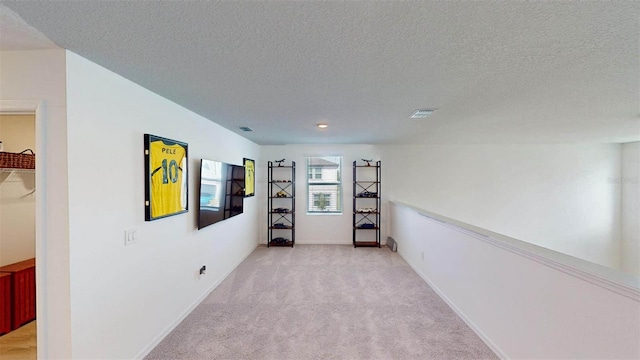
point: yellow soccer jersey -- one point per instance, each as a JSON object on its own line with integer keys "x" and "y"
{"x": 168, "y": 178}
{"x": 249, "y": 178}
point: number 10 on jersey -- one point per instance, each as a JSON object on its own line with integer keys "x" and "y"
{"x": 166, "y": 181}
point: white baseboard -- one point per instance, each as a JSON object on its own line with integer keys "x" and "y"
{"x": 459, "y": 312}
{"x": 324, "y": 242}
{"x": 147, "y": 349}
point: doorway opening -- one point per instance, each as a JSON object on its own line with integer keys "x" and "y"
{"x": 18, "y": 245}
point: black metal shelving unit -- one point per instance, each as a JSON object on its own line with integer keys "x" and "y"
{"x": 366, "y": 204}
{"x": 281, "y": 204}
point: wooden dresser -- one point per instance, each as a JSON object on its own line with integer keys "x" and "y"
{"x": 22, "y": 292}
{"x": 5, "y": 303}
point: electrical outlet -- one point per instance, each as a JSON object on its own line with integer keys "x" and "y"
{"x": 130, "y": 236}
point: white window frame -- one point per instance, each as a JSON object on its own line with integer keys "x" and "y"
{"x": 313, "y": 181}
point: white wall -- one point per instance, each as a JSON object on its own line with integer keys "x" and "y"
{"x": 315, "y": 229}
{"x": 28, "y": 77}
{"x": 555, "y": 196}
{"x": 17, "y": 200}
{"x": 523, "y": 305}
{"x": 630, "y": 182}
{"x": 126, "y": 298}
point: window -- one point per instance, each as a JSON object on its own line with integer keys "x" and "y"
{"x": 321, "y": 201}
{"x": 324, "y": 184}
{"x": 315, "y": 173}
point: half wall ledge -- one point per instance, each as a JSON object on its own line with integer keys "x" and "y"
{"x": 614, "y": 280}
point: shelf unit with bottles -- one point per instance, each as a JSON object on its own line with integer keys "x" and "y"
{"x": 281, "y": 206}
{"x": 366, "y": 203}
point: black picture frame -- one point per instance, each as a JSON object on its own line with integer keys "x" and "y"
{"x": 249, "y": 177}
{"x": 166, "y": 177}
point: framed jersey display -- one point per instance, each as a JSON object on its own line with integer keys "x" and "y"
{"x": 249, "y": 177}
{"x": 166, "y": 185}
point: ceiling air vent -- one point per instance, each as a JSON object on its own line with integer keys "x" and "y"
{"x": 245, "y": 128}
{"x": 422, "y": 113}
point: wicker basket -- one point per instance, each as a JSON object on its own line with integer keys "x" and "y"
{"x": 22, "y": 160}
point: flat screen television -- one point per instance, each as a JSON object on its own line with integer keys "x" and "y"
{"x": 221, "y": 192}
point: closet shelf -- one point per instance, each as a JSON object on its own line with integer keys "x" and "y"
{"x": 17, "y": 170}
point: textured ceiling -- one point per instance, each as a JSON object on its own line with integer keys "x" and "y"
{"x": 16, "y": 34}
{"x": 498, "y": 72}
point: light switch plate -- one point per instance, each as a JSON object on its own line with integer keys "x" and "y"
{"x": 130, "y": 236}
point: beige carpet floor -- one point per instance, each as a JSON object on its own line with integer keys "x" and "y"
{"x": 322, "y": 302}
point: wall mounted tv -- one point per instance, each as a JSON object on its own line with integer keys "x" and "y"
{"x": 221, "y": 192}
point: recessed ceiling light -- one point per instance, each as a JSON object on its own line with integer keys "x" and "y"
{"x": 245, "y": 128}
{"x": 421, "y": 113}
{"x": 323, "y": 126}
